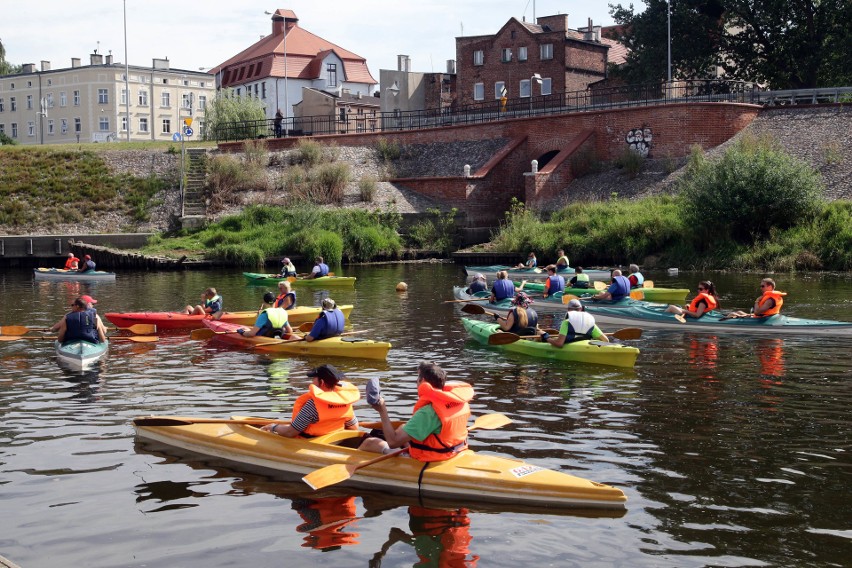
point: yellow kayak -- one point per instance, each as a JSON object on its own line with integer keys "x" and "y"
{"x": 467, "y": 478}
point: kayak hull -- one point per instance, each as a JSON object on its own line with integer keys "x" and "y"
{"x": 592, "y": 352}
{"x": 468, "y": 478}
{"x": 661, "y": 295}
{"x": 80, "y": 355}
{"x": 177, "y": 320}
{"x": 550, "y": 304}
{"x": 62, "y": 274}
{"x": 654, "y": 317}
{"x": 533, "y": 273}
{"x": 346, "y": 346}
{"x": 321, "y": 282}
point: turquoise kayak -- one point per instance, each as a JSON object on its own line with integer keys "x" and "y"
{"x": 594, "y": 352}
{"x": 643, "y": 314}
{"x": 322, "y": 281}
{"x": 80, "y": 355}
{"x": 549, "y": 304}
{"x": 533, "y": 273}
{"x": 661, "y": 295}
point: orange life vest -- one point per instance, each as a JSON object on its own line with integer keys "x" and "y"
{"x": 708, "y": 299}
{"x": 69, "y": 264}
{"x": 453, "y": 411}
{"x": 334, "y": 407}
{"x": 774, "y": 295}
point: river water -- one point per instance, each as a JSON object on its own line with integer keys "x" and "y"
{"x": 732, "y": 450}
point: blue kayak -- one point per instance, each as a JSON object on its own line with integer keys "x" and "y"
{"x": 539, "y": 273}
{"x": 553, "y": 303}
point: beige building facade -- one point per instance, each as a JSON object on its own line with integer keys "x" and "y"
{"x": 90, "y": 103}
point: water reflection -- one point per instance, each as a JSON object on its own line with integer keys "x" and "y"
{"x": 770, "y": 352}
{"x": 704, "y": 355}
{"x": 326, "y": 521}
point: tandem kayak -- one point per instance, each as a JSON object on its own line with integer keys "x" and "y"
{"x": 534, "y": 273}
{"x": 345, "y": 346}
{"x": 661, "y": 295}
{"x": 596, "y": 352}
{"x": 179, "y": 320}
{"x": 80, "y": 354}
{"x": 655, "y": 317}
{"x": 552, "y": 303}
{"x": 336, "y": 281}
{"x": 467, "y": 478}
{"x": 62, "y": 274}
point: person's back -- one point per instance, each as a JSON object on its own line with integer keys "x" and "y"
{"x": 330, "y": 322}
{"x": 477, "y": 285}
{"x": 450, "y": 405}
{"x": 580, "y": 279}
{"x": 635, "y": 278}
{"x": 521, "y": 327}
{"x": 502, "y": 289}
{"x": 554, "y": 283}
{"x": 578, "y": 326}
{"x": 276, "y": 322}
{"x": 88, "y": 264}
{"x": 619, "y": 289}
{"x": 81, "y": 324}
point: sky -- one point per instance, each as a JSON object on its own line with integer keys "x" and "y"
{"x": 195, "y": 34}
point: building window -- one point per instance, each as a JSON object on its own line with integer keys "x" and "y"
{"x": 63, "y": 99}
{"x": 2, "y": 128}
{"x": 103, "y": 97}
{"x": 14, "y": 130}
{"x": 479, "y": 91}
{"x": 29, "y": 102}
{"x": 76, "y": 95}
{"x": 124, "y": 124}
{"x": 123, "y": 97}
{"x": 143, "y": 125}
{"x": 166, "y": 99}
{"x": 525, "y": 88}
{"x": 51, "y": 130}
{"x": 29, "y": 84}
{"x": 546, "y": 51}
{"x": 500, "y": 90}
{"x": 30, "y": 128}
{"x": 49, "y": 100}
{"x": 2, "y": 107}
{"x": 167, "y": 126}
{"x": 186, "y": 100}
{"x": 256, "y": 91}
{"x": 546, "y": 86}
{"x": 13, "y": 104}
{"x": 201, "y": 130}
{"x": 342, "y": 114}
{"x": 522, "y": 53}
{"x": 202, "y": 102}
{"x": 11, "y": 86}
{"x": 263, "y": 90}
{"x": 506, "y": 55}
{"x": 513, "y": 34}
{"x": 103, "y": 124}
{"x": 63, "y": 125}
{"x": 479, "y": 57}
{"x": 143, "y": 97}
{"x": 331, "y": 71}
{"x": 78, "y": 125}
{"x": 238, "y": 91}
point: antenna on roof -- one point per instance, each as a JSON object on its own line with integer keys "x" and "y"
{"x": 98, "y": 47}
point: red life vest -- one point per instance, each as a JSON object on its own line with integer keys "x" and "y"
{"x": 69, "y": 264}
{"x": 774, "y": 295}
{"x": 453, "y": 411}
{"x": 334, "y": 407}
{"x": 707, "y": 298}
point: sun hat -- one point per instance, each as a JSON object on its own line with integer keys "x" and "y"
{"x": 328, "y": 304}
{"x": 574, "y": 304}
{"x": 479, "y": 276}
{"x": 521, "y": 299}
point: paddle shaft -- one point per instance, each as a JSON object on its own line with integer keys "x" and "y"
{"x": 22, "y": 329}
{"x": 133, "y": 338}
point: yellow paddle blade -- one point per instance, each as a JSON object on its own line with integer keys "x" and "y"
{"x": 503, "y": 338}
{"x": 627, "y": 333}
{"x": 568, "y": 297}
{"x": 141, "y": 328}
{"x": 14, "y": 330}
{"x": 491, "y": 421}
{"x": 307, "y": 326}
{"x": 136, "y": 338}
{"x": 201, "y": 333}
{"x": 680, "y": 318}
{"x": 637, "y": 295}
{"x": 599, "y": 285}
{"x": 648, "y": 284}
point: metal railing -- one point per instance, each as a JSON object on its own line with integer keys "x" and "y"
{"x": 558, "y": 103}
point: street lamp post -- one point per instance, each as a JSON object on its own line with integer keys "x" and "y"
{"x": 536, "y": 78}
{"x": 669, "y": 25}
{"x": 126, "y": 75}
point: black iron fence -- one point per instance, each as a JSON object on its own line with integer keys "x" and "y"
{"x": 557, "y": 103}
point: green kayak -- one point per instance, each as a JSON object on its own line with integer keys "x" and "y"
{"x": 661, "y": 295}
{"x": 321, "y": 282}
{"x": 613, "y": 354}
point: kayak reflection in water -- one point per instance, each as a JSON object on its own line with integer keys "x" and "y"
{"x": 439, "y": 537}
{"x": 704, "y": 354}
{"x": 325, "y": 520}
{"x": 771, "y": 355}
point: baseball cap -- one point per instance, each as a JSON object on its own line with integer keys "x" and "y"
{"x": 575, "y": 304}
{"x": 479, "y": 276}
{"x": 268, "y": 298}
{"x": 87, "y": 257}
{"x": 88, "y": 299}
{"x": 285, "y": 260}
{"x": 328, "y": 374}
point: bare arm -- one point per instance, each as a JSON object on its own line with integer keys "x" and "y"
{"x": 396, "y": 438}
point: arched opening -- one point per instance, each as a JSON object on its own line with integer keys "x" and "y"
{"x": 545, "y": 158}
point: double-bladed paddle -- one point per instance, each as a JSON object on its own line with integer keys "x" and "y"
{"x": 338, "y": 472}
{"x": 505, "y": 338}
{"x": 464, "y": 301}
{"x": 22, "y": 329}
{"x": 477, "y": 310}
{"x": 133, "y": 338}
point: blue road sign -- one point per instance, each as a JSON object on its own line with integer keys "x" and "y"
{"x": 176, "y": 137}
{"x": 187, "y": 131}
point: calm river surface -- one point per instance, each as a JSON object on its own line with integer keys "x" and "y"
{"x": 732, "y": 450}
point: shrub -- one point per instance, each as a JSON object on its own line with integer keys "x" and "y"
{"x": 309, "y": 153}
{"x": 329, "y": 181}
{"x": 437, "y": 232}
{"x": 240, "y": 254}
{"x": 631, "y": 162}
{"x": 751, "y": 189}
{"x": 367, "y": 186}
{"x": 387, "y": 150}
{"x": 256, "y": 154}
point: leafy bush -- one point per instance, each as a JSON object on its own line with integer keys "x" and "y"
{"x": 367, "y": 186}
{"x": 631, "y": 162}
{"x": 309, "y": 153}
{"x": 437, "y": 232}
{"x": 751, "y": 189}
{"x": 240, "y": 254}
{"x": 387, "y": 150}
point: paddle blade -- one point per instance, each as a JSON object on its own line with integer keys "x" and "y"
{"x": 141, "y": 328}
{"x": 15, "y": 337}
{"x": 637, "y": 295}
{"x": 491, "y": 421}
{"x": 326, "y": 476}
{"x": 471, "y": 309}
{"x": 306, "y": 327}
{"x": 136, "y": 338}
{"x": 14, "y": 330}
{"x": 627, "y": 333}
{"x": 680, "y": 318}
{"x": 568, "y": 297}
{"x": 648, "y": 284}
{"x": 201, "y": 333}
{"x": 503, "y": 338}
{"x": 599, "y": 285}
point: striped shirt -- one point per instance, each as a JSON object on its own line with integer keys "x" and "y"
{"x": 308, "y": 415}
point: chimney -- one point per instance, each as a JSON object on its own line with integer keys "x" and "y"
{"x": 96, "y": 59}
{"x": 163, "y": 64}
{"x": 75, "y": 62}
{"x": 403, "y": 63}
{"x": 109, "y": 59}
{"x": 45, "y": 65}
{"x": 283, "y": 21}
{"x": 557, "y": 23}
{"x": 451, "y": 66}
{"x": 28, "y": 68}
{"x": 597, "y": 33}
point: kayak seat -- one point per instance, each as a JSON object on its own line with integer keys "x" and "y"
{"x": 353, "y": 339}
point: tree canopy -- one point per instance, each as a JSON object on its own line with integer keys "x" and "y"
{"x": 783, "y": 44}
{"x": 7, "y": 68}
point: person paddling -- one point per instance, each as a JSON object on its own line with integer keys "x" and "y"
{"x": 561, "y": 261}
{"x": 529, "y": 264}
{"x": 88, "y": 265}
{"x": 706, "y": 300}
{"x": 477, "y": 285}
{"x": 554, "y": 283}
{"x": 521, "y": 319}
{"x": 636, "y": 278}
{"x": 768, "y": 304}
{"x": 329, "y": 323}
{"x": 211, "y": 305}
{"x": 502, "y": 288}
{"x": 286, "y": 297}
{"x": 580, "y": 279}
{"x": 82, "y": 323}
{"x": 577, "y": 325}
{"x": 320, "y": 268}
{"x": 270, "y": 322}
{"x": 618, "y": 289}
{"x": 287, "y": 268}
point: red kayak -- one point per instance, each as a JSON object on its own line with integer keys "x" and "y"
{"x": 179, "y": 320}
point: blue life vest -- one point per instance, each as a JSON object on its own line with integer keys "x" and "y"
{"x": 323, "y": 269}
{"x": 503, "y": 289}
{"x": 280, "y": 301}
{"x": 557, "y": 284}
{"x": 331, "y": 324}
{"x": 532, "y": 322}
{"x": 81, "y": 325}
{"x": 620, "y": 288}
{"x": 476, "y": 286}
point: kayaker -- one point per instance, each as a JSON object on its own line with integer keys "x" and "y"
{"x": 554, "y": 283}
{"x": 768, "y": 304}
{"x": 329, "y": 323}
{"x": 211, "y": 304}
{"x": 580, "y": 279}
{"x": 502, "y": 288}
{"x": 479, "y": 284}
{"x": 72, "y": 262}
{"x": 704, "y": 301}
{"x": 286, "y": 297}
{"x": 437, "y": 429}
{"x": 270, "y": 322}
{"x": 561, "y": 261}
{"x": 577, "y": 325}
{"x": 320, "y": 268}
{"x": 287, "y": 268}
{"x": 618, "y": 289}
{"x": 529, "y": 264}
{"x": 325, "y": 408}
{"x": 82, "y": 323}
{"x": 88, "y": 265}
{"x": 521, "y": 319}
{"x": 636, "y": 279}
{"x": 90, "y": 305}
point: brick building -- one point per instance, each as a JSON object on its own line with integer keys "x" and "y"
{"x": 491, "y": 66}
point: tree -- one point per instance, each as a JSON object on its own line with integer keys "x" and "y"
{"x": 7, "y": 68}
{"x": 232, "y": 117}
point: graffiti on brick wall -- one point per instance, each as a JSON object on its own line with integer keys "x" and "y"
{"x": 639, "y": 140}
